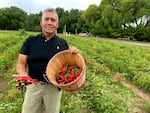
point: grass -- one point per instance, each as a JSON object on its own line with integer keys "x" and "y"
{"x": 105, "y": 59}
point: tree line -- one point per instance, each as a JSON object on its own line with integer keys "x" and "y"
{"x": 112, "y": 18}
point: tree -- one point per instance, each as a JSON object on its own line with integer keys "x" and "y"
{"x": 33, "y": 22}
{"x": 12, "y": 18}
{"x": 112, "y": 18}
{"x": 91, "y": 15}
{"x": 63, "y": 15}
{"x": 70, "y": 20}
{"x": 74, "y": 21}
{"x": 135, "y": 12}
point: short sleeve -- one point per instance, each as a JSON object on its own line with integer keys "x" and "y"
{"x": 26, "y": 45}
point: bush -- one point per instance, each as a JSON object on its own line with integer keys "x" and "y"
{"x": 22, "y": 32}
{"x": 144, "y": 82}
{"x": 115, "y": 35}
{"x": 147, "y": 107}
{"x": 141, "y": 33}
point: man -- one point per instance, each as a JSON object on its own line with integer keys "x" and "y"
{"x": 34, "y": 55}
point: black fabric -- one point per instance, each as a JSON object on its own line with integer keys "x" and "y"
{"x": 39, "y": 53}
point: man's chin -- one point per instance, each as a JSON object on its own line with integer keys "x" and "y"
{"x": 49, "y": 32}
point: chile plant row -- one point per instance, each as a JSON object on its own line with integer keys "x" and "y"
{"x": 130, "y": 61}
{"x": 101, "y": 93}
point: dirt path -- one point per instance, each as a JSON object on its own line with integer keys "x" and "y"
{"x": 3, "y": 85}
{"x": 139, "y": 99}
{"x": 137, "y": 91}
{"x": 138, "y": 43}
{"x": 141, "y": 96}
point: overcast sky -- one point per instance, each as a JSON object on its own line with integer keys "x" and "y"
{"x": 35, "y": 6}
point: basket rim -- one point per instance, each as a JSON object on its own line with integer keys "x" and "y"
{"x": 82, "y": 72}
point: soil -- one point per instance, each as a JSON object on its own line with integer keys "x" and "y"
{"x": 139, "y": 92}
{"x": 139, "y": 99}
{"x": 3, "y": 85}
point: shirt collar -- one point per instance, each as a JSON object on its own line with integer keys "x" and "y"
{"x": 42, "y": 36}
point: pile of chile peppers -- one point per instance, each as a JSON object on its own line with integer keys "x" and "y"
{"x": 23, "y": 80}
{"x": 67, "y": 74}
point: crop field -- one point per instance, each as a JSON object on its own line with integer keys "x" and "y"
{"x": 110, "y": 65}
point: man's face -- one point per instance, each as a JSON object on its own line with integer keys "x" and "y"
{"x": 49, "y": 22}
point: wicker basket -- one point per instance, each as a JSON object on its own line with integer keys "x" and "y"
{"x": 63, "y": 58}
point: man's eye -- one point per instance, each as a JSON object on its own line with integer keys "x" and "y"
{"x": 46, "y": 19}
{"x": 52, "y": 19}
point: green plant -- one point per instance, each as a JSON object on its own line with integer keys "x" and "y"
{"x": 8, "y": 107}
{"x": 147, "y": 107}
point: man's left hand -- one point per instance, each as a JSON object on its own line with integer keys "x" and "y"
{"x": 73, "y": 49}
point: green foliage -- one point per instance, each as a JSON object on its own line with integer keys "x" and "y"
{"x": 91, "y": 15}
{"x": 147, "y": 107}
{"x": 22, "y": 32}
{"x": 71, "y": 103}
{"x": 103, "y": 100}
{"x": 144, "y": 82}
{"x": 118, "y": 57}
{"x": 32, "y": 22}
{"x": 101, "y": 92}
{"x": 113, "y": 19}
{"x": 12, "y": 18}
{"x": 141, "y": 33}
{"x": 8, "y": 108}
{"x": 10, "y": 48}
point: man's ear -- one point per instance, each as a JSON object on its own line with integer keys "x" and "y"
{"x": 58, "y": 25}
{"x": 41, "y": 23}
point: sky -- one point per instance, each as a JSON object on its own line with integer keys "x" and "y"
{"x": 35, "y": 6}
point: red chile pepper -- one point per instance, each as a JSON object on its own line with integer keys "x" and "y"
{"x": 70, "y": 78}
{"x": 78, "y": 73}
{"x": 72, "y": 67}
{"x": 63, "y": 68}
{"x": 68, "y": 74}
{"x": 66, "y": 80}
{"x": 25, "y": 78}
{"x": 60, "y": 79}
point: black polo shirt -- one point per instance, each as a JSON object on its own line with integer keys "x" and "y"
{"x": 39, "y": 53}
